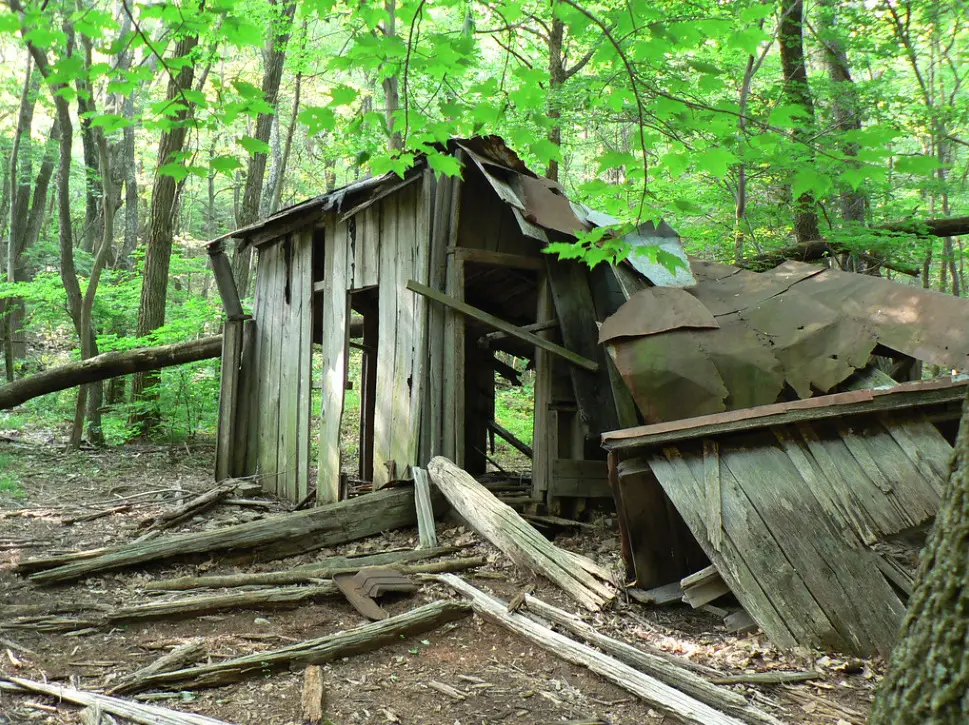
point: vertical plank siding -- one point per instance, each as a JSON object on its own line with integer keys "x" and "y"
{"x": 335, "y": 330}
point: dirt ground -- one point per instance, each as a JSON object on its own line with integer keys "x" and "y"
{"x": 499, "y": 677}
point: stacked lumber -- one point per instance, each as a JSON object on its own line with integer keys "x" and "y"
{"x": 589, "y": 584}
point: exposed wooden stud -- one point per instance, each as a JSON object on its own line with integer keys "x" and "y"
{"x": 543, "y": 450}
{"x": 304, "y": 353}
{"x": 487, "y": 318}
{"x": 486, "y": 341}
{"x": 454, "y": 366}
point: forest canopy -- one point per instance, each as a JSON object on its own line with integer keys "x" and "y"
{"x": 131, "y": 132}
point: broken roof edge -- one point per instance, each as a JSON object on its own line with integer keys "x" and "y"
{"x": 904, "y": 395}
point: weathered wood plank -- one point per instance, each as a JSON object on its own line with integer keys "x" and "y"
{"x": 543, "y": 451}
{"x": 499, "y": 259}
{"x": 335, "y": 331}
{"x": 425, "y": 511}
{"x": 575, "y": 311}
{"x": 417, "y": 376}
{"x": 300, "y": 531}
{"x": 922, "y": 442}
{"x": 288, "y": 373}
{"x": 304, "y": 413}
{"x": 665, "y": 698}
{"x": 432, "y": 418}
{"x": 579, "y": 479}
{"x": 837, "y": 469}
{"x": 779, "y": 414}
{"x": 222, "y": 271}
{"x": 454, "y": 367}
{"x": 388, "y": 298}
{"x": 401, "y": 432}
{"x": 499, "y": 324}
{"x": 744, "y": 538}
{"x": 228, "y": 398}
{"x": 711, "y": 466}
{"x": 246, "y": 397}
{"x": 268, "y": 412}
{"x": 842, "y": 579}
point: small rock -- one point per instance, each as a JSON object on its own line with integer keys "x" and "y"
{"x": 261, "y": 620}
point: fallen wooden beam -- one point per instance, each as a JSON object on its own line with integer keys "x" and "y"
{"x": 663, "y": 668}
{"x": 703, "y": 587}
{"x": 295, "y": 532}
{"x": 108, "y": 365}
{"x": 512, "y": 440}
{"x": 197, "y": 505}
{"x": 300, "y": 574}
{"x": 193, "y": 606}
{"x": 134, "y": 711}
{"x": 486, "y": 341}
{"x": 581, "y": 578}
{"x": 499, "y": 324}
{"x": 317, "y": 651}
{"x": 659, "y": 695}
{"x": 314, "y": 697}
{"x": 181, "y": 656}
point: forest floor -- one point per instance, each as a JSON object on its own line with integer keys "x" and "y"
{"x": 503, "y": 679}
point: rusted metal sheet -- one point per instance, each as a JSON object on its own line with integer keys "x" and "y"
{"x": 816, "y": 347}
{"x": 669, "y": 375}
{"x": 735, "y": 292}
{"x": 654, "y": 310}
{"x": 750, "y": 371}
{"x": 547, "y": 206}
{"x": 923, "y": 324}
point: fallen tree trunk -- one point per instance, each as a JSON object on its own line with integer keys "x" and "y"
{"x": 318, "y": 651}
{"x": 816, "y": 250}
{"x": 652, "y": 664}
{"x": 581, "y": 578}
{"x": 296, "y": 532}
{"x": 108, "y": 365}
{"x": 943, "y": 227}
{"x": 657, "y": 694}
{"x": 134, "y": 711}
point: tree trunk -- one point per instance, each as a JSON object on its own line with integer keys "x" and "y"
{"x": 154, "y": 288}
{"x": 556, "y": 78}
{"x": 277, "y": 172}
{"x": 390, "y": 83}
{"x": 798, "y": 93}
{"x": 928, "y": 675}
{"x": 108, "y": 365}
{"x": 845, "y": 106}
{"x": 274, "y": 55}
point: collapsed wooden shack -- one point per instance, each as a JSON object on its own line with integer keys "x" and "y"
{"x": 445, "y": 273}
{"x": 742, "y": 463}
